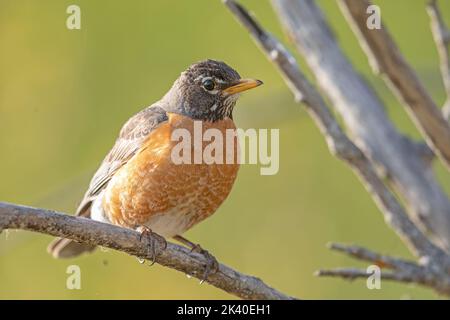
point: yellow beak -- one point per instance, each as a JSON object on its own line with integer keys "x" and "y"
{"x": 243, "y": 85}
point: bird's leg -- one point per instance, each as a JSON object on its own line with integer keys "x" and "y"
{"x": 212, "y": 265}
{"x": 152, "y": 238}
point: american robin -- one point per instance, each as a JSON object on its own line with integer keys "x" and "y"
{"x": 139, "y": 186}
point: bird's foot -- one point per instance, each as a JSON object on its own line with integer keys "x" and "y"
{"x": 155, "y": 241}
{"x": 212, "y": 265}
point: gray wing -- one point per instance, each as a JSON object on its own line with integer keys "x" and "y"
{"x": 131, "y": 137}
{"x": 130, "y": 140}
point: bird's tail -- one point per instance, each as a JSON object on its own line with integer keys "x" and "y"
{"x": 61, "y": 248}
{"x": 65, "y": 248}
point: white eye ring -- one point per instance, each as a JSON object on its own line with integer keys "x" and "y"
{"x": 206, "y": 82}
{"x": 209, "y": 84}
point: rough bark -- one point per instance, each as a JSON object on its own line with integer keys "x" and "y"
{"x": 126, "y": 240}
{"x": 433, "y": 266}
{"x": 441, "y": 36}
{"x": 386, "y": 59}
{"x": 364, "y": 116}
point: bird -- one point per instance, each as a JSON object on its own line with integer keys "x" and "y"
{"x": 139, "y": 186}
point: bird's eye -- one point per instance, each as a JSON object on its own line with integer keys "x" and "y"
{"x": 208, "y": 84}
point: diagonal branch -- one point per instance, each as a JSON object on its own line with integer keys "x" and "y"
{"x": 126, "y": 240}
{"x": 340, "y": 145}
{"x": 365, "y": 118}
{"x": 386, "y": 58}
{"x": 383, "y": 261}
{"x": 441, "y": 35}
{"x": 403, "y": 270}
{"x": 338, "y": 142}
{"x": 353, "y": 273}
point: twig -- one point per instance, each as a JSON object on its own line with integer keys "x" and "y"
{"x": 371, "y": 256}
{"x": 403, "y": 270}
{"x": 365, "y": 118}
{"x": 338, "y": 143}
{"x": 126, "y": 240}
{"x": 341, "y": 145}
{"x": 385, "y": 58}
{"x": 353, "y": 273}
{"x": 441, "y": 36}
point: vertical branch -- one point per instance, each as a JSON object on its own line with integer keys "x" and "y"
{"x": 365, "y": 118}
{"x": 386, "y": 58}
{"x": 434, "y": 271}
{"x": 441, "y": 36}
{"x": 338, "y": 143}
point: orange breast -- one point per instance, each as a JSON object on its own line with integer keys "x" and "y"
{"x": 170, "y": 198}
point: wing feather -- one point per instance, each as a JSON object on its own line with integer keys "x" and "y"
{"x": 131, "y": 137}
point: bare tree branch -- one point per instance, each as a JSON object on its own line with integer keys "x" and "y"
{"x": 441, "y": 36}
{"x": 353, "y": 273}
{"x": 385, "y": 58}
{"x": 126, "y": 240}
{"x": 340, "y": 145}
{"x": 403, "y": 270}
{"x": 365, "y": 118}
{"x": 361, "y": 253}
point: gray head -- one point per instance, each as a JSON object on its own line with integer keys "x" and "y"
{"x": 207, "y": 90}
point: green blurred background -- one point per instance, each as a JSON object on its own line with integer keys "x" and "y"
{"x": 65, "y": 93}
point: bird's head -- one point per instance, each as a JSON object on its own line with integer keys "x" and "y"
{"x": 208, "y": 90}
